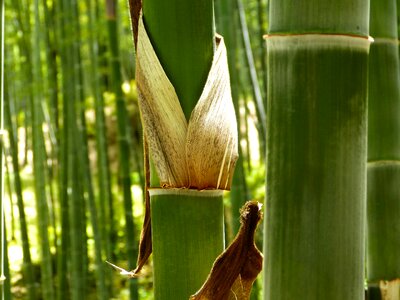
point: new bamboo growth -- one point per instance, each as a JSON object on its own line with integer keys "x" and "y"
{"x": 199, "y": 153}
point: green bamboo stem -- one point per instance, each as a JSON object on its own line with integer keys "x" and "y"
{"x": 124, "y": 144}
{"x": 86, "y": 175}
{"x": 64, "y": 247}
{"x": 50, "y": 38}
{"x": 87, "y": 185}
{"x": 383, "y": 261}
{"x": 104, "y": 188}
{"x": 27, "y": 260}
{"x": 50, "y": 108}
{"x": 39, "y": 166}
{"x": 259, "y": 104}
{"x": 261, "y": 8}
{"x": 187, "y": 237}
{"x": 5, "y": 283}
{"x": 77, "y": 219}
{"x": 23, "y": 19}
{"x": 9, "y": 191}
{"x": 187, "y": 231}
{"x": 182, "y": 34}
{"x": 5, "y": 287}
{"x": 227, "y": 27}
{"x": 316, "y": 155}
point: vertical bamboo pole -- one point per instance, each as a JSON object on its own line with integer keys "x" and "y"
{"x": 227, "y": 26}
{"x": 259, "y": 104}
{"x": 182, "y": 33}
{"x": 383, "y": 243}
{"x": 187, "y": 227}
{"x": 104, "y": 188}
{"x": 123, "y": 141}
{"x": 39, "y": 166}
{"x": 317, "y": 147}
{"x": 27, "y": 267}
{"x": 64, "y": 244}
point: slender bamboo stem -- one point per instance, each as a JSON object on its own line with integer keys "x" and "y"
{"x": 27, "y": 260}
{"x": 77, "y": 219}
{"x": 86, "y": 175}
{"x": 39, "y": 166}
{"x": 5, "y": 289}
{"x": 260, "y": 109}
{"x": 104, "y": 188}
{"x": 124, "y": 143}
{"x": 261, "y": 8}
{"x": 64, "y": 206}
{"x": 227, "y": 27}
{"x": 383, "y": 261}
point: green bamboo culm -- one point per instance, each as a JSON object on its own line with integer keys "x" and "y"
{"x": 27, "y": 260}
{"x": 383, "y": 192}
{"x": 187, "y": 236}
{"x": 5, "y": 280}
{"x": 187, "y": 228}
{"x": 104, "y": 189}
{"x": 67, "y": 90}
{"x": 317, "y": 53}
{"x": 39, "y": 166}
{"x": 182, "y": 34}
{"x": 124, "y": 142}
{"x": 227, "y": 26}
{"x": 77, "y": 219}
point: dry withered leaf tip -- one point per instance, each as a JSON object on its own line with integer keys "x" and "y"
{"x": 235, "y": 270}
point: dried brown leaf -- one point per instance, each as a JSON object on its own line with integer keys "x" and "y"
{"x": 235, "y": 270}
{"x": 145, "y": 243}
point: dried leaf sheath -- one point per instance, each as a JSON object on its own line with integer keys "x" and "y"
{"x": 212, "y": 144}
{"x": 162, "y": 116}
{"x": 202, "y": 154}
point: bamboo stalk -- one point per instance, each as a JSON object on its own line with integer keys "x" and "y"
{"x": 261, "y": 8}
{"x": 186, "y": 239}
{"x": 383, "y": 240}
{"x": 27, "y": 260}
{"x": 182, "y": 35}
{"x": 77, "y": 219}
{"x": 104, "y": 188}
{"x": 63, "y": 247}
{"x": 39, "y": 166}
{"x": 259, "y": 104}
{"x": 124, "y": 142}
{"x": 86, "y": 175}
{"x": 227, "y": 27}
{"x": 316, "y": 155}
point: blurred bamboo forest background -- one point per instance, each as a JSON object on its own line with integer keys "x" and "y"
{"x": 73, "y": 149}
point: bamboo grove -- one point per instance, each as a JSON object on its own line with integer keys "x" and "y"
{"x": 74, "y": 159}
{"x": 307, "y": 115}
